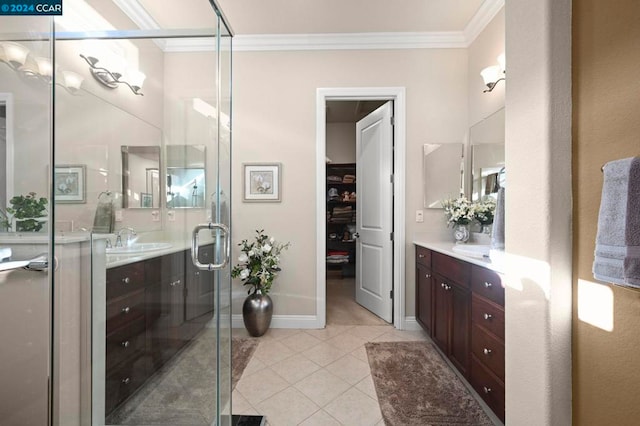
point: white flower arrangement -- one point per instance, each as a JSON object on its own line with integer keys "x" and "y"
{"x": 484, "y": 210}
{"x": 458, "y": 211}
{"x": 259, "y": 262}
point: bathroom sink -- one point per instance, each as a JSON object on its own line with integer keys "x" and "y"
{"x": 472, "y": 250}
{"x": 137, "y": 248}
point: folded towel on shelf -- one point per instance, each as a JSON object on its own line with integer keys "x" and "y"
{"x": 348, "y": 179}
{"x": 617, "y": 252}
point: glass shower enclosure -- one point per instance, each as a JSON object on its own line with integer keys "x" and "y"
{"x": 115, "y": 145}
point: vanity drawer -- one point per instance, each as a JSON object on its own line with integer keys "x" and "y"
{"x": 487, "y": 283}
{"x": 488, "y": 315}
{"x": 454, "y": 269}
{"x": 126, "y": 342}
{"x": 423, "y": 256}
{"x": 488, "y": 386}
{"x": 123, "y": 381}
{"x": 124, "y": 310}
{"x": 489, "y": 350}
{"x": 124, "y": 279}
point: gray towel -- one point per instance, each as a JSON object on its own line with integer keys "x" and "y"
{"x": 617, "y": 253}
{"x": 104, "y": 219}
{"x": 497, "y": 233}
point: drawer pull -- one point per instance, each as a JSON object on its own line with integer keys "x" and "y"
{"x": 488, "y": 284}
{"x": 486, "y": 351}
{"x": 488, "y": 317}
{"x": 127, "y": 380}
{"x": 126, "y": 310}
{"x": 126, "y": 280}
{"x": 486, "y": 390}
{"x": 421, "y": 256}
{"x": 427, "y": 275}
{"x": 125, "y": 344}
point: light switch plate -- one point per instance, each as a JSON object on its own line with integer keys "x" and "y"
{"x": 118, "y": 215}
{"x": 155, "y": 216}
{"x": 420, "y": 216}
{"x": 171, "y": 215}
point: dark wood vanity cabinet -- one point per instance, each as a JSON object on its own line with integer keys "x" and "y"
{"x": 151, "y": 316}
{"x": 461, "y": 306}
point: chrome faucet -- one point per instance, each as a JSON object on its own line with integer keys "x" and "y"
{"x": 131, "y": 233}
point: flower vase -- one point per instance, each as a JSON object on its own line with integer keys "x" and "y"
{"x": 461, "y": 233}
{"x": 257, "y": 311}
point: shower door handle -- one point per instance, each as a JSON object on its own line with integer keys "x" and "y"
{"x": 226, "y": 248}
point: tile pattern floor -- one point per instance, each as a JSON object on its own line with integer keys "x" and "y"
{"x": 314, "y": 377}
{"x": 318, "y": 377}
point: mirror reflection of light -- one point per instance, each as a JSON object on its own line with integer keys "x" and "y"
{"x": 595, "y": 304}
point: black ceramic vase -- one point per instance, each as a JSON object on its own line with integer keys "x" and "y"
{"x": 257, "y": 311}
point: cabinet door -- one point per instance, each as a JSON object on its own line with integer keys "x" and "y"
{"x": 424, "y": 298}
{"x": 442, "y": 301}
{"x": 156, "y": 324}
{"x": 200, "y": 287}
{"x": 460, "y": 324}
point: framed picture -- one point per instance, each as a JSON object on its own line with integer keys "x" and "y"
{"x": 69, "y": 184}
{"x": 146, "y": 199}
{"x": 262, "y": 182}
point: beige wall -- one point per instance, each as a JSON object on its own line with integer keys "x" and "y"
{"x": 274, "y": 121}
{"x": 606, "y": 58}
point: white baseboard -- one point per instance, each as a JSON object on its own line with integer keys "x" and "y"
{"x": 283, "y": 321}
{"x": 410, "y": 324}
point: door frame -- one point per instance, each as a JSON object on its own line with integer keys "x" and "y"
{"x": 397, "y": 95}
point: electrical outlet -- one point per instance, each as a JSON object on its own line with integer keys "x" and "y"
{"x": 118, "y": 215}
{"x": 171, "y": 215}
{"x": 419, "y": 216}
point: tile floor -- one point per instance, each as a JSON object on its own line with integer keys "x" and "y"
{"x": 314, "y": 377}
{"x": 318, "y": 377}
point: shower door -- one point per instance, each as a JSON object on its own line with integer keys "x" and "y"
{"x": 26, "y": 296}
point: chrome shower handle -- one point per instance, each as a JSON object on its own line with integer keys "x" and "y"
{"x": 226, "y": 248}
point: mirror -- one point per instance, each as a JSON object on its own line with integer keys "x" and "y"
{"x": 141, "y": 176}
{"x": 185, "y": 178}
{"x": 442, "y": 173}
{"x": 486, "y": 139}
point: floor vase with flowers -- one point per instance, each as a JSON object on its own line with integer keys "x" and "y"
{"x": 257, "y": 311}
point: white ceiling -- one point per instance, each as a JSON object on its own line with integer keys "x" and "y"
{"x": 347, "y": 16}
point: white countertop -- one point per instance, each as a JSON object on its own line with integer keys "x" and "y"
{"x": 119, "y": 259}
{"x": 446, "y": 247}
{"x": 41, "y": 238}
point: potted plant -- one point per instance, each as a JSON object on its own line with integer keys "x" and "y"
{"x": 28, "y": 211}
{"x": 259, "y": 264}
{"x": 459, "y": 215}
{"x": 483, "y": 212}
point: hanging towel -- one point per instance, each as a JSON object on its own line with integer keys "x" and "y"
{"x": 497, "y": 232}
{"x": 617, "y": 253}
{"x": 104, "y": 219}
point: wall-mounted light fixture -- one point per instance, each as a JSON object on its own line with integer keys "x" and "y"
{"x": 37, "y": 69}
{"x": 493, "y": 74}
{"x": 111, "y": 79}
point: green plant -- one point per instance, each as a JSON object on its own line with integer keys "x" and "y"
{"x": 484, "y": 210}
{"x": 259, "y": 262}
{"x": 26, "y": 209}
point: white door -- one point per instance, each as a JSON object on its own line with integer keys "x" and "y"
{"x": 374, "y": 220}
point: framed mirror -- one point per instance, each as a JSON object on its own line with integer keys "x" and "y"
{"x": 186, "y": 176}
{"x": 486, "y": 141}
{"x": 140, "y": 177}
{"x": 442, "y": 173}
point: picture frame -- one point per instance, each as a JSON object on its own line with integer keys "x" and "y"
{"x": 146, "y": 199}
{"x": 69, "y": 183}
{"x": 262, "y": 182}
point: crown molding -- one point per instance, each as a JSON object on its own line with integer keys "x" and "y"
{"x": 333, "y": 41}
{"x": 487, "y": 11}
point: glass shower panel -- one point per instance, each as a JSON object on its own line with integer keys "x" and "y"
{"x": 26, "y": 296}
{"x": 159, "y": 327}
